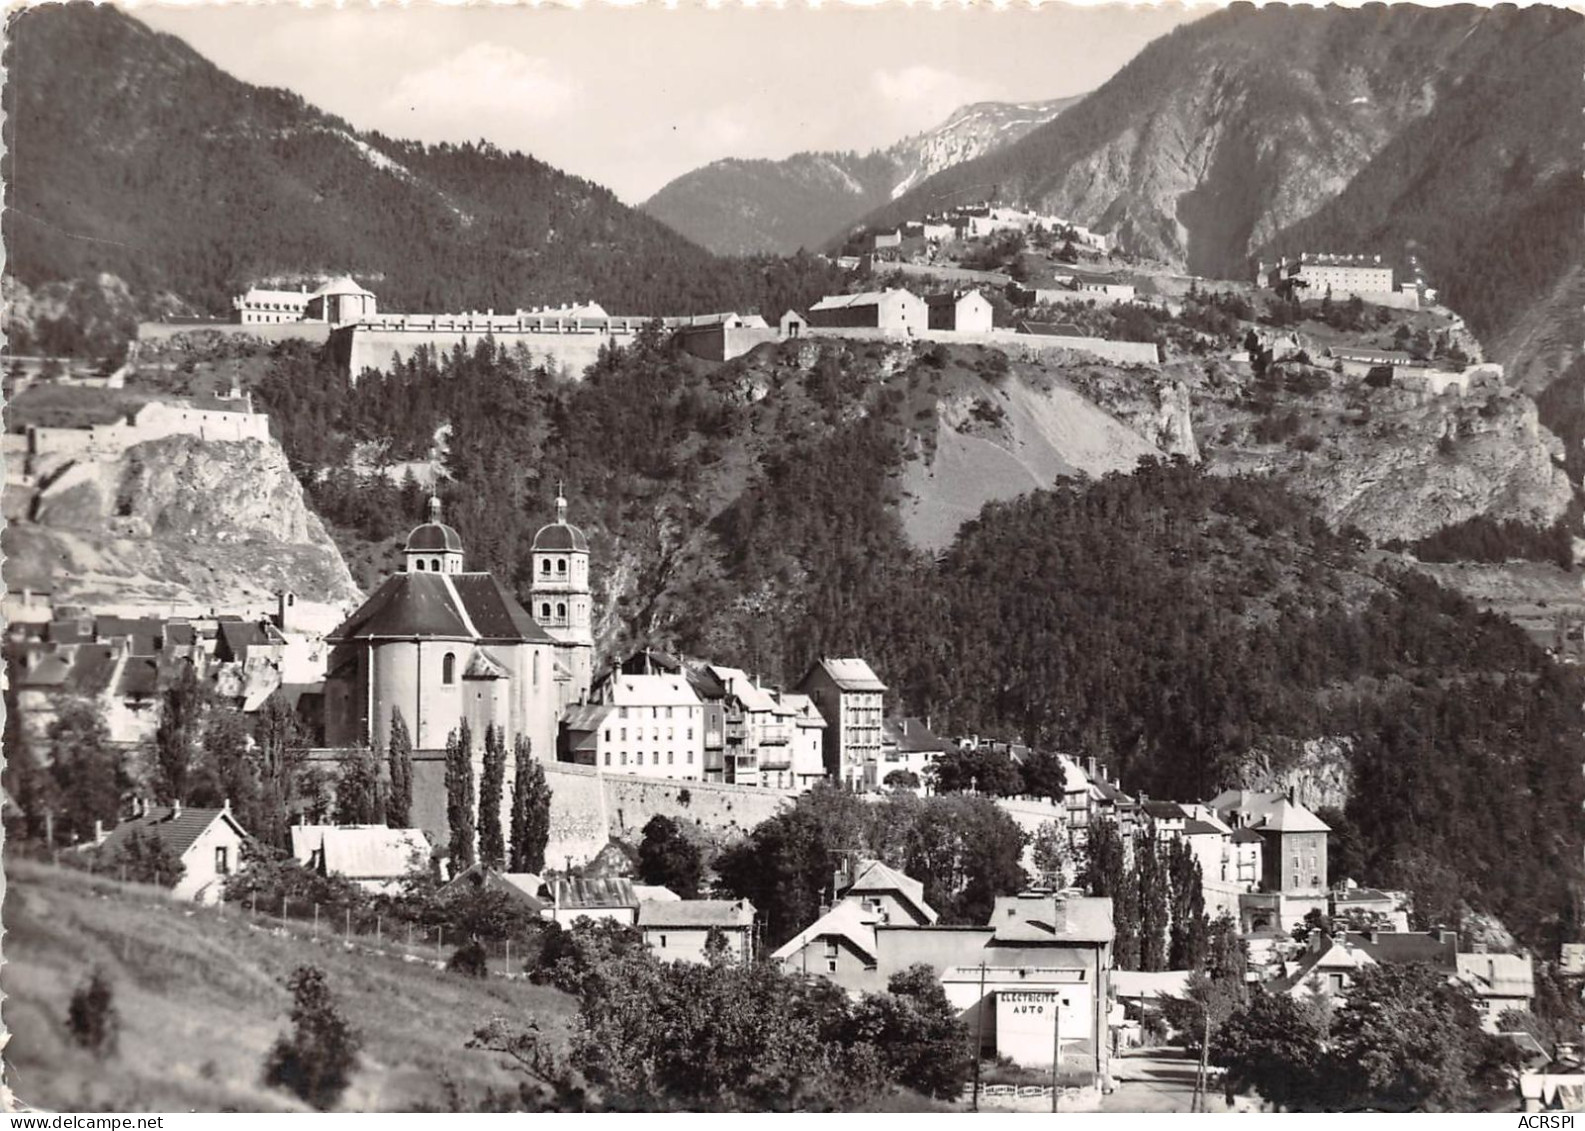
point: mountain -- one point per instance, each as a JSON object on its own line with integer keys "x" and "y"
{"x": 736, "y": 207}
{"x": 1449, "y": 133}
{"x": 128, "y": 153}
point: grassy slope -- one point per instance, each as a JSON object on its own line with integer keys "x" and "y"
{"x": 201, "y": 1001}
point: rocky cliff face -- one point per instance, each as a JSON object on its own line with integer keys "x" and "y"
{"x": 175, "y": 521}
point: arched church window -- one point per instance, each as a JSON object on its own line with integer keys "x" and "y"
{"x": 434, "y": 564}
{"x": 536, "y": 669}
{"x": 448, "y": 668}
{"x": 561, "y": 611}
{"x": 420, "y": 564}
{"x": 561, "y": 565}
{"x": 544, "y": 565}
{"x": 544, "y": 610}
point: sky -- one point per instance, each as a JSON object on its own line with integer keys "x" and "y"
{"x": 631, "y": 97}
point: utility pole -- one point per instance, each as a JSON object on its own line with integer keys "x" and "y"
{"x": 1056, "y": 1048}
{"x": 979, "y": 1037}
{"x": 1202, "y": 1077}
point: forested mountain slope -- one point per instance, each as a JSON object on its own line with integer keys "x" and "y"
{"x": 127, "y": 153}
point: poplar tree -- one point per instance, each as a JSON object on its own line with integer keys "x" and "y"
{"x": 460, "y": 799}
{"x": 492, "y": 785}
{"x": 399, "y": 809}
{"x": 1150, "y": 881}
{"x": 1188, "y": 939}
{"x": 530, "y": 810}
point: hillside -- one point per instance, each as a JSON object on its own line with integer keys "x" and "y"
{"x": 736, "y": 207}
{"x": 1452, "y": 133}
{"x": 173, "y": 520}
{"x": 201, "y": 1001}
{"x": 189, "y": 185}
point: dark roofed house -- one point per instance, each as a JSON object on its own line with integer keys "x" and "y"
{"x": 680, "y": 930}
{"x": 206, "y": 842}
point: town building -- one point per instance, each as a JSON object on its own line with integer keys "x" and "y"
{"x": 907, "y": 746}
{"x": 643, "y": 725}
{"x": 679, "y": 930}
{"x": 596, "y": 900}
{"x": 1292, "y": 856}
{"x": 892, "y": 311}
{"x": 1341, "y": 276}
{"x": 962, "y": 312}
{"x": 1035, "y": 977}
{"x": 260, "y": 305}
{"x": 808, "y": 739}
{"x": 443, "y": 646}
{"x": 561, "y": 599}
{"x": 849, "y": 696}
{"x": 375, "y": 857}
{"x": 206, "y": 842}
{"x": 1502, "y": 983}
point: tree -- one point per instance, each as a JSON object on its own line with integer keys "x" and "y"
{"x": 1409, "y": 1039}
{"x": 143, "y": 858}
{"x": 282, "y": 754}
{"x": 359, "y": 794}
{"x": 717, "y": 947}
{"x": 966, "y": 851}
{"x": 460, "y": 803}
{"x": 492, "y": 784}
{"x": 1044, "y": 776}
{"x": 1150, "y": 882}
{"x": 91, "y": 1017}
{"x": 399, "y": 806}
{"x": 1226, "y": 953}
{"x": 530, "y": 810}
{"x": 1188, "y": 937}
{"x": 901, "y": 779}
{"x": 227, "y": 768}
{"x": 317, "y": 1061}
{"x": 1207, "y": 1001}
{"x": 87, "y": 775}
{"x": 1051, "y": 852}
{"x": 176, "y": 738}
{"x": 668, "y": 858}
{"x": 981, "y": 770}
{"x": 922, "y": 1041}
{"x": 470, "y": 960}
{"x": 1274, "y": 1045}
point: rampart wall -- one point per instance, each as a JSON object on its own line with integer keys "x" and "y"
{"x": 359, "y": 348}
{"x": 266, "y": 331}
{"x": 1032, "y": 346}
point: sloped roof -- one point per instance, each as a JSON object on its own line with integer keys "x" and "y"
{"x": 738, "y": 683}
{"x": 1498, "y": 975}
{"x": 1164, "y": 810}
{"x": 804, "y": 708}
{"x": 586, "y": 716}
{"x": 139, "y": 676}
{"x": 372, "y": 852}
{"x": 849, "y": 921}
{"x": 700, "y": 913}
{"x": 874, "y": 876}
{"x": 1025, "y": 919}
{"x": 434, "y": 536}
{"x": 852, "y": 674}
{"x": 842, "y": 302}
{"x": 177, "y": 829}
{"x": 1245, "y": 836}
{"x": 1401, "y": 947}
{"x": 615, "y": 892}
{"x": 406, "y": 605}
{"x": 236, "y": 637}
{"x": 523, "y": 887}
{"x": 342, "y": 285}
{"x": 561, "y": 536}
{"x": 1196, "y": 827}
{"x": 1286, "y": 817}
{"x": 495, "y": 613}
{"x": 912, "y": 736}
{"x": 482, "y": 665}
{"x": 655, "y": 893}
{"x": 650, "y": 691}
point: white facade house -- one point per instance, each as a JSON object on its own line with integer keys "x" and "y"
{"x": 375, "y": 857}
{"x": 892, "y": 311}
{"x": 679, "y": 930}
{"x": 206, "y": 842}
{"x": 654, "y": 728}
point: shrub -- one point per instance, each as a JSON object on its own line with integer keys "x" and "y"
{"x": 316, "y": 1062}
{"x": 91, "y": 1017}
{"x": 469, "y": 959}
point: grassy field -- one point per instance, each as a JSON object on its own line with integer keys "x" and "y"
{"x": 201, "y": 1000}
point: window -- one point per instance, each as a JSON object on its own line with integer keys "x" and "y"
{"x": 434, "y": 564}
{"x": 668, "y": 757}
{"x": 831, "y": 966}
{"x": 690, "y": 757}
{"x": 690, "y": 732}
{"x": 222, "y": 860}
{"x": 668, "y": 712}
{"x": 544, "y": 610}
{"x": 624, "y": 734}
{"x": 668, "y": 734}
{"x": 561, "y": 565}
{"x": 663, "y": 942}
{"x": 621, "y": 713}
{"x": 544, "y": 565}
{"x": 536, "y": 669}
{"x": 831, "y": 948}
{"x": 448, "y": 668}
{"x": 624, "y": 757}
{"x": 561, "y": 611}
{"x": 608, "y": 734}
{"x": 420, "y": 564}
{"x": 654, "y": 712}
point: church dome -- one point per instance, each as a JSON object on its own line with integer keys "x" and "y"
{"x": 434, "y": 535}
{"x": 561, "y": 534}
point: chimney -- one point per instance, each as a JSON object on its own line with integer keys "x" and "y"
{"x": 176, "y": 809}
{"x": 99, "y": 831}
{"x": 1293, "y": 795}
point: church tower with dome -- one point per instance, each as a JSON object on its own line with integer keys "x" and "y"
{"x": 561, "y": 600}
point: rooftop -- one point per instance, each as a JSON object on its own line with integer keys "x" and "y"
{"x": 724, "y": 913}
{"x": 177, "y": 828}
{"x": 852, "y": 674}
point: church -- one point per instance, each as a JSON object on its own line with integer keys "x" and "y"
{"x": 444, "y": 645}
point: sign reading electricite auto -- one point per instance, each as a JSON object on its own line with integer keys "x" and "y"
{"x": 1025, "y": 1021}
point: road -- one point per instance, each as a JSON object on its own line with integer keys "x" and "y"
{"x": 1151, "y": 1080}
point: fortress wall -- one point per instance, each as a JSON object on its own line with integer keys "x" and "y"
{"x": 359, "y": 349}
{"x": 1026, "y": 345}
{"x": 266, "y": 331}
